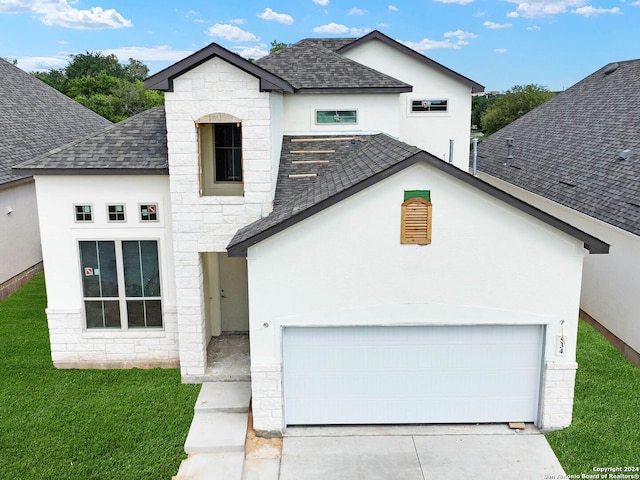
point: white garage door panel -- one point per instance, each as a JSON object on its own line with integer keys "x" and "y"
{"x": 458, "y": 374}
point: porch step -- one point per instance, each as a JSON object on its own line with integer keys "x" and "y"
{"x": 215, "y": 432}
{"x": 211, "y": 466}
{"x": 229, "y": 397}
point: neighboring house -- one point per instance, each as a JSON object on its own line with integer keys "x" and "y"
{"x": 34, "y": 118}
{"x": 378, "y": 283}
{"x": 577, "y": 157}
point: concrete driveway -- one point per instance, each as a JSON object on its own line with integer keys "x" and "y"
{"x": 417, "y": 453}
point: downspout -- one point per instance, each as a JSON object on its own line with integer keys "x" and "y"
{"x": 474, "y": 163}
{"x": 451, "y": 150}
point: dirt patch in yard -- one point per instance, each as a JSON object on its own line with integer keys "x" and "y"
{"x": 258, "y": 447}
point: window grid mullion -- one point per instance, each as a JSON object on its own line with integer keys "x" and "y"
{"x": 124, "y": 318}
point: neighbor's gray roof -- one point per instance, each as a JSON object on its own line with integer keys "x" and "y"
{"x": 137, "y": 145}
{"x": 35, "y": 118}
{"x": 568, "y": 148}
{"x": 311, "y": 67}
{"x": 355, "y": 163}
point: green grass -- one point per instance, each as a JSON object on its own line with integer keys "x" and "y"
{"x": 82, "y": 424}
{"x": 605, "y": 431}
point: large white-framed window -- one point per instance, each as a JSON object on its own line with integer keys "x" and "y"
{"x": 121, "y": 284}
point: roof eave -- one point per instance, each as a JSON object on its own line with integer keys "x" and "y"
{"x": 592, "y": 244}
{"x": 356, "y": 90}
{"x": 163, "y": 80}
{"x": 92, "y": 171}
{"x": 475, "y": 87}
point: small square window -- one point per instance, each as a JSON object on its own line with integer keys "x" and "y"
{"x": 149, "y": 212}
{"x": 115, "y": 213}
{"x": 83, "y": 213}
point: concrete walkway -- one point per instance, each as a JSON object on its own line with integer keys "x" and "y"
{"x": 418, "y": 453}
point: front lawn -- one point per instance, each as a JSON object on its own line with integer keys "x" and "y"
{"x": 605, "y": 431}
{"x": 82, "y": 424}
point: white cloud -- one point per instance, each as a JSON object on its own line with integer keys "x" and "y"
{"x": 481, "y": 13}
{"x": 232, "y": 33}
{"x": 324, "y": 3}
{"x": 41, "y": 64}
{"x": 589, "y": 10}
{"x": 252, "y": 52}
{"x": 331, "y": 28}
{"x": 60, "y": 13}
{"x": 359, "y": 32}
{"x": 461, "y": 2}
{"x": 541, "y": 8}
{"x": 382, "y": 25}
{"x": 455, "y": 40}
{"x": 428, "y": 44}
{"x": 269, "y": 14}
{"x": 160, "y": 53}
{"x": 534, "y": 28}
{"x": 393, "y": 8}
{"x": 355, "y": 11}
{"x": 237, "y": 21}
{"x": 635, "y": 4}
{"x": 460, "y": 35}
{"x": 501, "y": 50}
{"x": 489, "y": 24}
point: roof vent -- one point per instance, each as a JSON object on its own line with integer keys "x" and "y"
{"x": 509, "y": 152}
{"x": 625, "y": 154}
{"x": 611, "y": 68}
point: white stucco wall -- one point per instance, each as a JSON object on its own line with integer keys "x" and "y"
{"x": 609, "y": 282}
{"x": 375, "y": 113}
{"x": 19, "y": 232}
{"x": 207, "y": 223}
{"x": 488, "y": 263}
{"x": 72, "y": 344}
{"x": 430, "y": 131}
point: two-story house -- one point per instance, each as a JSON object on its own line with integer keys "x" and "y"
{"x": 316, "y": 200}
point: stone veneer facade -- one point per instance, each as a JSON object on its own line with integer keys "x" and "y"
{"x": 207, "y": 223}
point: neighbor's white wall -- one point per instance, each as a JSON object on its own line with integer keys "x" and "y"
{"x": 429, "y": 131}
{"x": 72, "y": 345}
{"x": 488, "y": 263}
{"x": 609, "y": 282}
{"x": 207, "y": 224}
{"x": 376, "y": 113}
{"x": 19, "y": 232}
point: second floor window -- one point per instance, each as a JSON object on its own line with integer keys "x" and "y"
{"x": 221, "y": 158}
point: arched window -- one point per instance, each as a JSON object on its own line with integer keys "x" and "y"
{"x": 220, "y": 149}
{"x": 415, "y": 226}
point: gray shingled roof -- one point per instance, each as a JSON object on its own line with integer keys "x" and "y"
{"x": 35, "y": 118}
{"x": 137, "y": 145}
{"x": 568, "y": 148}
{"x": 309, "y": 66}
{"x": 355, "y": 163}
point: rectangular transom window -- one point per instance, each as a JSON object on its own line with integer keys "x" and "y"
{"x": 121, "y": 284}
{"x": 221, "y": 158}
{"x": 429, "y": 105}
{"x": 336, "y": 116}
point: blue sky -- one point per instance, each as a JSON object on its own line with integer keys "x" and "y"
{"x": 498, "y": 44}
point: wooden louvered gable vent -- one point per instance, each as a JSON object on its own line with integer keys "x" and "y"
{"x": 415, "y": 226}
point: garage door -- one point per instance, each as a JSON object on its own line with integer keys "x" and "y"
{"x": 411, "y": 374}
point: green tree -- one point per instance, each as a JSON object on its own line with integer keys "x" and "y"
{"x": 276, "y": 46}
{"x": 516, "y": 101}
{"x": 479, "y": 106}
{"x": 103, "y": 85}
